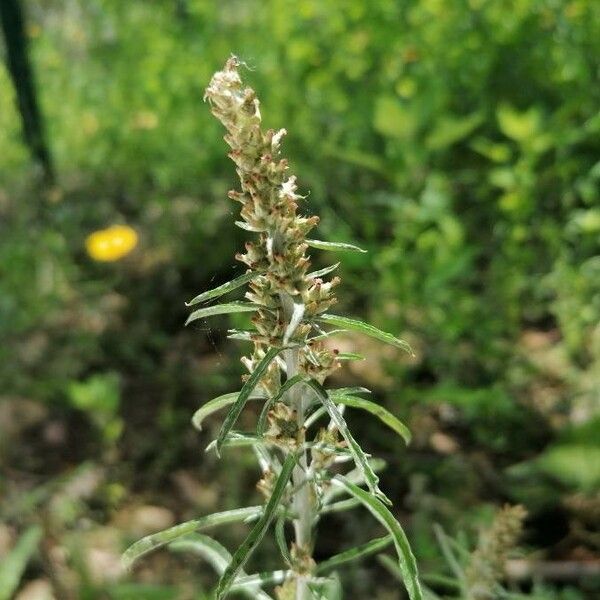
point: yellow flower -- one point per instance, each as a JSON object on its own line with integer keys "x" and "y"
{"x": 112, "y": 243}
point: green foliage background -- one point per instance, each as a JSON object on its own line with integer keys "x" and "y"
{"x": 458, "y": 141}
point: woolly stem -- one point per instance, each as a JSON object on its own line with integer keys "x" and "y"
{"x": 302, "y": 501}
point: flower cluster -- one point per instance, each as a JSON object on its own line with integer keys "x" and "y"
{"x": 486, "y": 566}
{"x": 270, "y": 209}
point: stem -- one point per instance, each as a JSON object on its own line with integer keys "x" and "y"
{"x": 302, "y": 501}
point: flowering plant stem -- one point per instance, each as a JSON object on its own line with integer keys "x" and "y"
{"x": 287, "y": 368}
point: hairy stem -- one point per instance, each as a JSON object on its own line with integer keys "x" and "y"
{"x": 302, "y": 500}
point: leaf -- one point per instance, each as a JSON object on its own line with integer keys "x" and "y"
{"x": 340, "y": 506}
{"x": 280, "y": 539}
{"x": 380, "y": 412}
{"x": 217, "y": 404}
{"x": 367, "y": 329}
{"x": 350, "y": 356}
{"x": 237, "y": 439}
{"x": 221, "y": 309}
{"x": 295, "y": 320}
{"x": 218, "y": 557}
{"x": 576, "y": 465}
{"x": 329, "y": 589}
{"x": 223, "y": 289}
{"x": 355, "y": 476}
{"x": 365, "y": 160}
{"x": 334, "y": 246}
{"x": 391, "y": 566}
{"x": 14, "y": 563}
{"x": 249, "y": 545}
{"x": 360, "y": 458}
{"x": 448, "y": 553}
{"x": 519, "y": 126}
{"x": 349, "y": 391}
{"x": 140, "y": 591}
{"x": 315, "y": 416}
{"x": 243, "y": 335}
{"x": 354, "y": 553}
{"x": 451, "y": 129}
{"x": 394, "y": 118}
{"x": 244, "y": 394}
{"x": 406, "y": 559}
{"x": 323, "y": 272}
{"x": 156, "y": 540}
{"x": 248, "y": 227}
{"x": 327, "y": 334}
{"x": 259, "y": 579}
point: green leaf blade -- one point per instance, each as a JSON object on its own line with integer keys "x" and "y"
{"x": 323, "y": 272}
{"x": 217, "y": 404}
{"x": 14, "y": 563}
{"x": 221, "y": 309}
{"x": 166, "y": 536}
{"x": 354, "y": 553}
{"x": 223, "y": 289}
{"x": 219, "y": 558}
{"x": 384, "y": 415}
{"x": 366, "y": 329}
{"x": 406, "y": 559}
{"x": 249, "y": 545}
{"x": 335, "y": 246}
{"x": 244, "y": 395}
{"x": 360, "y": 458}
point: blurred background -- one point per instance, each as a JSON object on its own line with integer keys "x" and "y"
{"x": 458, "y": 141}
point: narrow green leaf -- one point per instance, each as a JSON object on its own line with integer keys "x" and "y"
{"x": 280, "y": 539}
{"x": 156, "y": 540}
{"x": 238, "y": 439}
{"x": 240, "y": 334}
{"x": 262, "y": 419}
{"x": 391, "y": 566}
{"x": 380, "y": 412}
{"x": 315, "y": 416}
{"x": 327, "y": 334}
{"x": 367, "y": 329}
{"x": 266, "y": 460}
{"x": 245, "y": 393}
{"x": 445, "y": 547}
{"x": 323, "y": 272}
{"x": 247, "y": 227}
{"x": 221, "y": 309}
{"x": 334, "y": 246}
{"x": 249, "y": 545}
{"x": 360, "y": 458}
{"x": 218, "y": 557}
{"x": 223, "y": 289}
{"x": 356, "y": 477}
{"x": 350, "y": 356}
{"x": 325, "y": 588}
{"x": 354, "y": 553}
{"x": 259, "y": 579}
{"x": 406, "y": 559}
{"x": 217, "y": 404}
{"x": 14, "y": 563}
{"x": 340, "y": 506}
{"x": 349, "y": 391}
